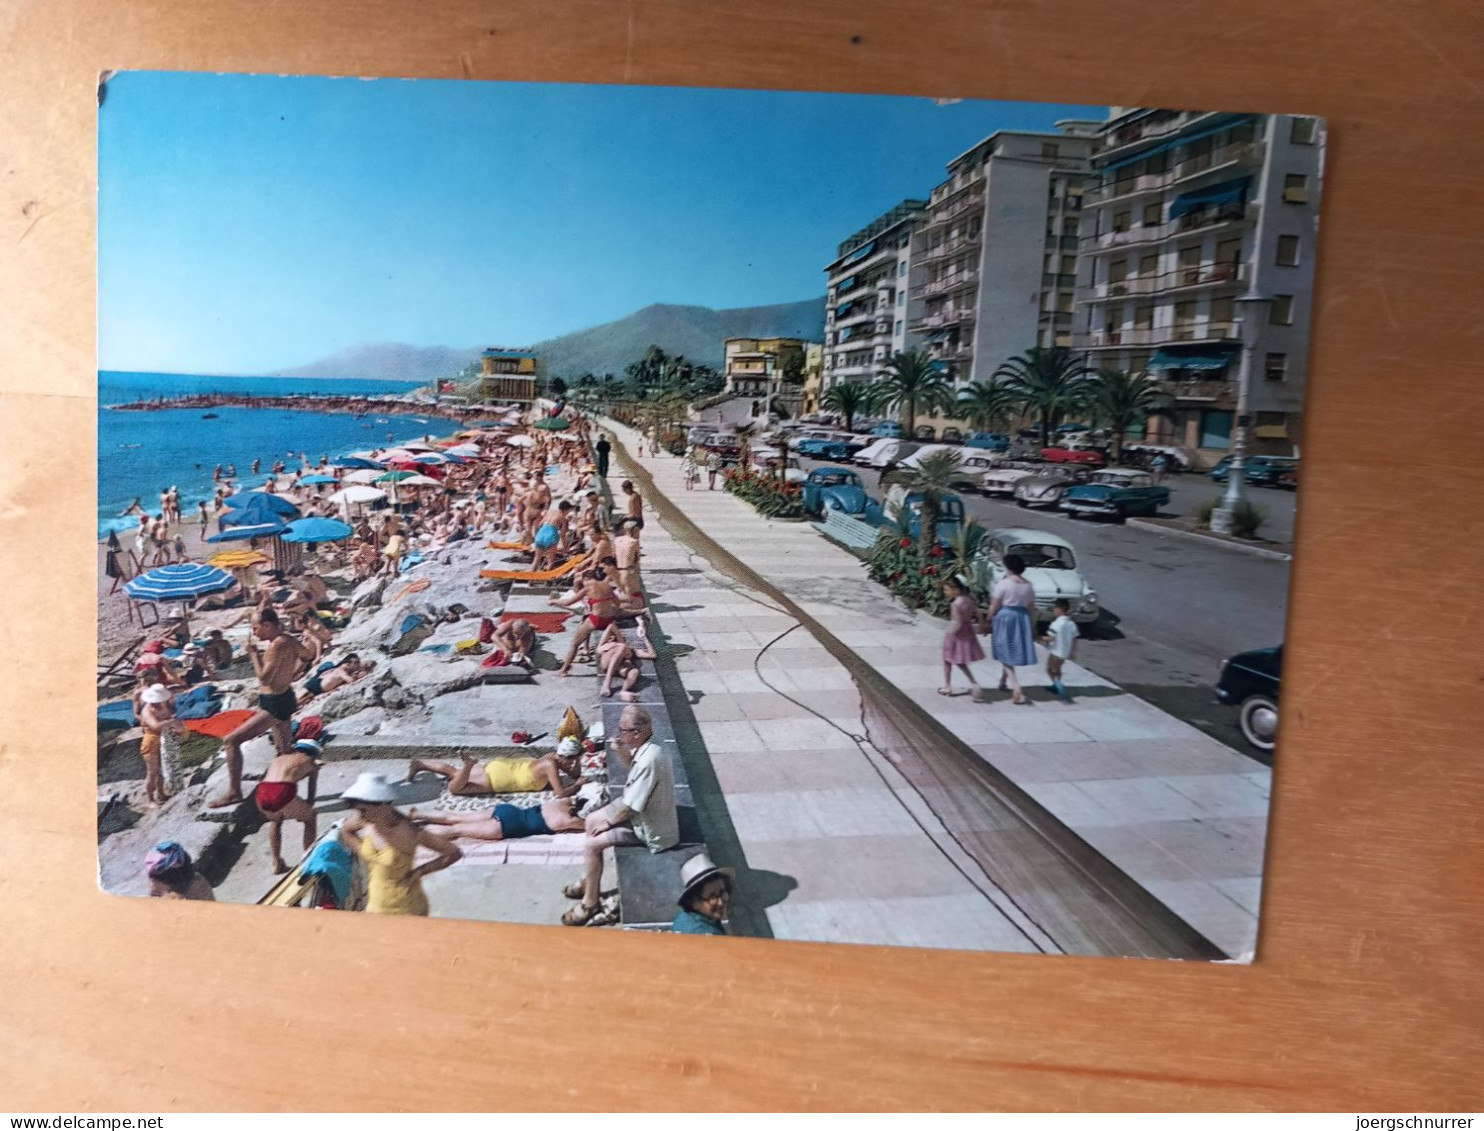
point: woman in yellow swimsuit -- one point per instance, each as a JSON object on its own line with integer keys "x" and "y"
{"x": 504, "y": 775}
{"x": 387, "y": 842}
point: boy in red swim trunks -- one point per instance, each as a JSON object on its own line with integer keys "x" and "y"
{"x": 278, "y": 798}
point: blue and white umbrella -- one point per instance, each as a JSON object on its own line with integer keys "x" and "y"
{"x": 317, "y": 479}
{"x": 357, "y": 462}
{"x": 178, "y": 582}
{"x": 261, "y": 502}
{"x": 316, "y": 530}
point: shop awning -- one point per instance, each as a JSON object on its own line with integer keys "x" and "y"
{"x": 1195, "y": 359}
{"x": 860, "y": 252}
{"x": 843, "y": 309}
{"x": 1227, "y": 192}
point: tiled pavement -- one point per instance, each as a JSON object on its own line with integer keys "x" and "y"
{"x": 1181, "y": 814}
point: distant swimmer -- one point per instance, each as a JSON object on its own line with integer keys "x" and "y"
{"x": 231, "y": 471}
{"x": 133, "y": 508}
{"x": 256, "y": 465}
{"x": 217, "y": 474}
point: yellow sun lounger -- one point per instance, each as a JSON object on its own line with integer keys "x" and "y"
{"x": 507, "y": 546}
{"x": 535, "y": 575}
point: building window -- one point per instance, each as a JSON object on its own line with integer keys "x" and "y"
{"x": 1275, "y": 367}
{"x": 901, "y": 269}
{"x": 1303, "y": 131}
{"x": 902, "y": 298}
{"x": 1064, "y": 302}
{"x": 1064, "y": 340}
{"x": 899, "y": 325}
{"x": 1068, "y": 264}
{"x": 1120, "y": 221}
{"x": 1288, "y": 251}
{"x": 1149, "y": 266}
{"x": 1144, "y": 317}
{"x": 1049, "y": 149}
{"x": 1069, "y": 226}
{"x": 1295, "y": 188}
{"x": 1152, "y": 213}
{"x": 1281, "y": 311}
{"x": 1216, "y": 429}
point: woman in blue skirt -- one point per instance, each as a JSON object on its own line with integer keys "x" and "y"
{"x": 1012, "y": 623}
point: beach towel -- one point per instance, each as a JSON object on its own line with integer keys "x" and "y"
{"x": 222, "y": 724}
{"x": 541, "y": 622}
{"x": 496, "y": 659}
{"x": 409, "y": 624}
{"x": 416, "y": 587}
{"x": 330, "y": 860}
{"x": 199, "y": 702}
{"x": 468, "y": 648}
{"x": 117, "y": 715}
{"x": 486, "y": 630}
{"x": 507, "y": 546}
{"x": 534, "y": 575}
{"x": 437, "y": 649}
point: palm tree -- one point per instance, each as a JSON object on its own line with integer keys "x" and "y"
{"x": 913, "y": 382}
{"x": 1121, "y": 400}
{"x": 1048, "y": 382}
{"x": 986, "y": 405}
{"x": 934, "y": 476}
{"x": 848, "y": 398}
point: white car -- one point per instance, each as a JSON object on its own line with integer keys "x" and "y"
{"x": 1050, "y": 567}
{"x": 1002, "y": 480}
{"x": 884, "y": 451}
{"x": 766, "y": 460}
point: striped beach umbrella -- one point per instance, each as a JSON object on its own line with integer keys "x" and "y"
{"x": 178, "y": 582}
{"x": 237, "y": 559}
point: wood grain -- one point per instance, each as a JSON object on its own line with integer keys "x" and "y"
{"x": 1367, "y": 992}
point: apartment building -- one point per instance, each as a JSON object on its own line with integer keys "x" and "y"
{"x": 1197, "y": 266}
{"x": 755, "y": 367}
{"x": 993, "y": 259}
{"x": 866, "y": 303}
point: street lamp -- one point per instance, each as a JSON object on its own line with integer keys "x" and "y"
{"x": 1253, "y": 307}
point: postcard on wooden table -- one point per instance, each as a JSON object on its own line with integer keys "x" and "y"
{"x": 808, "y": 516}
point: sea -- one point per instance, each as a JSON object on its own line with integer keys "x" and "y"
{"x": 143, "y": 453}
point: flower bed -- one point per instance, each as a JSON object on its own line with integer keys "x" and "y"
{"x": 771, "y": 498}
{"x": 898, "y": 563}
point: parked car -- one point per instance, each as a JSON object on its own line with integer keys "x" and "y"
{"x": 1003, "y": 479}
{"x": 888, "y": 428}
{"x": 989, "y": 441}
{"x": 909, "y": 503}
{"x": 1046, "y": 488}
{"x": 1261, "y": 471}
{"x": 884, "y": 451}
{"x": 834, "y": 489}
{"x": 766, "y": 460}
{"x": 1088, "y": 457}
{"x": 1142, "y": 455}
{"x": 1249, "y": 682}
{"x": 1288, "y": 480}
{"x": 952, "y": 436}
{"x": 829, "y": 444}
{"x": 1117, "y": 493}
{"x": 972, "y": 468}
{"x": 925, "y": 432}
{"x": 1051, "y": 568}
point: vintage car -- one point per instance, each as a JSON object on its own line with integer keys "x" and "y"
{"x": 1288, "y": 480}
{"x": 989, "y": 441}
{"x": 909, "y": 503}
{"x": 1003, "y": 479}
{"x": 829, "y": 444}
{"x": 972, "y": 467}
{"x": 884, "y": 451}
{"x": 925, "y": 432}
{"x": 834, "y": 489}
{"x": 1087, "y": 457}
{"x": 766, "y": 460}
{"x": 1116, "y": 493}
{"x": 1249, "y": 682}
{"x": 1144, "y": 455}
{"x": 1261, "y": 471}
{"x": 1050, "y": 567}
{"x": 952, "y": 436}
{"x": 888, "y": 428}
{"x": 1046, "y": 488}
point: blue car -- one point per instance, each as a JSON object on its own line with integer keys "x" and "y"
{"x": 825, "y": 447}
{"x": 1262, "y": 471}
{"x": 950, "y": 512}
{"x": 835, "y": 489}
{"x": 989, "y": 441}
{"x": 889, "y": 429}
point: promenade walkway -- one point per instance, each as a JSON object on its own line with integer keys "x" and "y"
{"x": 1178, "y": 813}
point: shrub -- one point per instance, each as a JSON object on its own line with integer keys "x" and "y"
{"x": 1203, "y": 513}
{"x": 1246, "y": 518}
{"x": 896, "y": 561}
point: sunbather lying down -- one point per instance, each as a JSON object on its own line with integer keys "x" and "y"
{"x": 333, "y": 678}
{"x": 505, "y": 775}
{"x": 507, "y": 822}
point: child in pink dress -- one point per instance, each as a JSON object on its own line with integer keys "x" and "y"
{"x": 961, "y": 646}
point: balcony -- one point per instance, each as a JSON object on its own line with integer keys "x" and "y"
{"x": 1227, "y": 215}
{"x": 945, "y": 193}
{"x": 1206, "y": 391}
{"x": 949, "y": 247}
{"x": 1160, "y": 335}
{"x": 1225, "y": 157}
{"x": 963, "y": 206}
{"x": 946, "y": 284}
{"x": 1127, "y": 137}
{"x": 942, "y": 318}
{"x": 1128, "y": 186}
{"x": 1186, "y": 278}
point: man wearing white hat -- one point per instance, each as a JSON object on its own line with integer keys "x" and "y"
{"x": 645, "y": 814}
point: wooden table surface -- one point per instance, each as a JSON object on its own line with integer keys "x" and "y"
{"x": 1367, "y": 990}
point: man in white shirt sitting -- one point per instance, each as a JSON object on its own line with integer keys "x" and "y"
{"x": 643, "y": 815}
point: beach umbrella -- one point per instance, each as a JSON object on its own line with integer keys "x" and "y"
{"x": 395, "y": 476}
{"x": 317, "y": 479}
{"x": 179, "y": 582}
{"x": 357, "y": 494}
{"x": 249, "y": 530}
{"x": 552, "y": 423}
{"x": 520, "y": 442}
{"x": 356, "y": 462}
{"x": 432, "y": 457}
{"x": 417, "y": 446}
{"x": 316, "y": 530}
{"x": 419, "y": 481}
{"x": 261, "y": 502}
{"x": 237, "y": 559}
{"x": 365, "y": 475}
{"x": 469, "y": 450}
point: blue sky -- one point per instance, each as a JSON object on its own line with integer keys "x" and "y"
{"x": 254, "y": 223}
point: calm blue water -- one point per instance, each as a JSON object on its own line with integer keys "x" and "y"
{"x": 142, "y": 453}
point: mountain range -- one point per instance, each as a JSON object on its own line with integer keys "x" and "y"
{"x": 696, "y": 332}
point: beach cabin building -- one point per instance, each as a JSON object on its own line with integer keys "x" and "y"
{"x": 508, "y": 375}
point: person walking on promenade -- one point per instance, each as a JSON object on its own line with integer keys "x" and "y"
{"x": 713, "y": 468}
{"x": 387, "y": 842}
{"x": 603, "y": 448}
{"x": 276, "y": 667}
{"x": 1061, "y": 642}
{"x": 1159, "y": 465}
{"x": 961, "y": 645}
{"x": 1012, "y": 614}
